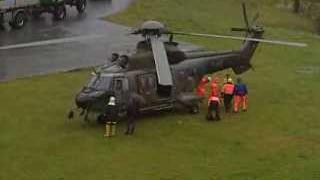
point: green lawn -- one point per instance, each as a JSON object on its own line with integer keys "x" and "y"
{"x": 278, "y": 138}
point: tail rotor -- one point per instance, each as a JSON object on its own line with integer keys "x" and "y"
{"x": 250, "y": 27}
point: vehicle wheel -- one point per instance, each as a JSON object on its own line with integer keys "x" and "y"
{"x": 81, "y": 6}
{"x": 60, "y": 12}
{"x": 19, "y": 20}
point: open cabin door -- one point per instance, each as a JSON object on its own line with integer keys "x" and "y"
{"x": 153, "y": 93}
{"x": 121, "y": 88}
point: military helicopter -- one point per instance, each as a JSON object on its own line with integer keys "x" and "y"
{"x": 159, "y": 75}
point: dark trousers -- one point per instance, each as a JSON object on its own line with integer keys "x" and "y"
{"x": 227, "y": 98}
{"x": 131, "y": 124}
{"x": 213, "y": 111}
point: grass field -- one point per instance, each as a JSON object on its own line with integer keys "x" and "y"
{"x": 278, "y": 138}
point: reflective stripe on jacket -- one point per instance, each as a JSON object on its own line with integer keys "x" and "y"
{"x": 228, "y": 88}
{"x": 213, "y": 98}
{"x": 214, "y": 89}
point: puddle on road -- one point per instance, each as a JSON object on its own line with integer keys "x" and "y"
{"x": 46, "y": 29}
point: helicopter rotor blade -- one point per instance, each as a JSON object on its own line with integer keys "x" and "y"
{"x": 245, "y": 15}
{"x": 51, "y": 42}
{"x": 255, "y": 18}
{"x": 161, "y": 62}
{"x": 239, "y": 29}
{"x": 244, "y": 39}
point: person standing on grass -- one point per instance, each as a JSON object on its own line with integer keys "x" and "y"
{"x": 215, "y": 87}
{"x": 201, "y": 88}
{"x": 240, "y": 96}
{"x": 227, "y": 94}
{"x": 132, "y": 114}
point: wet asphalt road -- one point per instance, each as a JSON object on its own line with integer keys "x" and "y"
{"x": 31, "y": 61}
{"x": 25, "y": 62}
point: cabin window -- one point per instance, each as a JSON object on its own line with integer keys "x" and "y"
{"x": 121, "y": 84}
{"x": 142, "y": 85}
{"x": 151, "y": 82}
{"x": 118, "y": 86}
{"x": 147, "y": 83}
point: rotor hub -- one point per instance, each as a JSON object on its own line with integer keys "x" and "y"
{"x": 150, "y": 28}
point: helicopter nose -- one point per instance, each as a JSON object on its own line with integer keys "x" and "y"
{"x": 83, "y": 100}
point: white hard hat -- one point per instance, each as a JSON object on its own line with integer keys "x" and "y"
{"x": 112, "y": 101}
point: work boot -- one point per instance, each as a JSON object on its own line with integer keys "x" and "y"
{"x": 209, "y": 117}
{"x": 108, "y": 130}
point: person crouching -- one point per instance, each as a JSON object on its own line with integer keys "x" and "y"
{"x": 213, "y": 109}
{"x": 214, "y": 102}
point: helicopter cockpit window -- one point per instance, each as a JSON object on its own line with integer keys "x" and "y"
{"x": 100, "y": 82}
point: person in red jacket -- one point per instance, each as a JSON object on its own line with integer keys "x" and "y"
{"x": 201, "y": 88}
{"x": 227, "y": 94}
{"x": 215, "y": 87}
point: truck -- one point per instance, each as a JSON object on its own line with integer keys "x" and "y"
{"x": 16, "y": 12}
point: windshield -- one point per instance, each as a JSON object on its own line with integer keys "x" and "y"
{"x": 100, "y": 83}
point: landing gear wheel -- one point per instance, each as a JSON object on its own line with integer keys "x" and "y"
{"x": 81, "y": 6}
{"x": 18, "y": 20}
{"x": 60, "y": 12}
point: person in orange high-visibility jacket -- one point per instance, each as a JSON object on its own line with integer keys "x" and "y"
{"x": 215, "y": 87}
{"x": 240, "y": 96}
{"x": 201, "y": 88}
{"x": 227, "y": 94}
{"x": 214, "y": 101}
